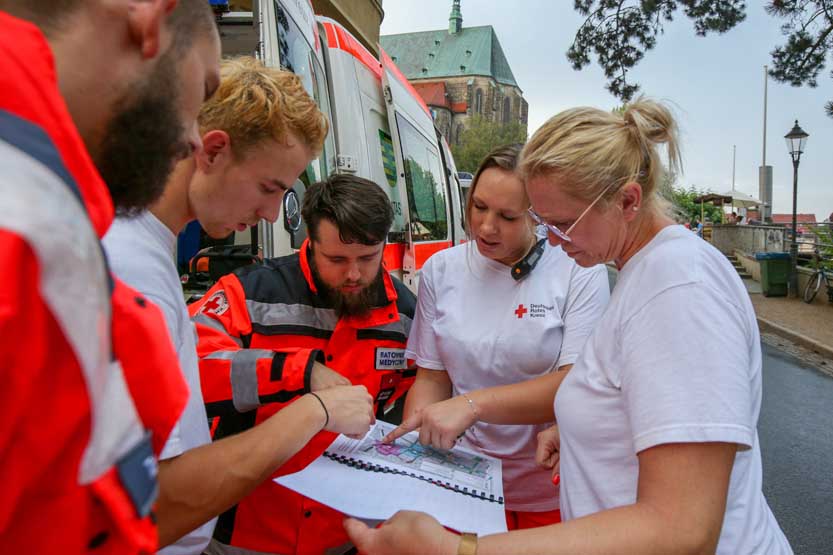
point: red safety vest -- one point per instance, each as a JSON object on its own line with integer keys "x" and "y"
{"x": 91, "y": 389}
{"x": 260, "y": 330}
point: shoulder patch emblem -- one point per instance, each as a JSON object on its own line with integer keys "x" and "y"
{"x": 216, "y": 304}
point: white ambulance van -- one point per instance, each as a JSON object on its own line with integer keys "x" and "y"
{"x": 380, "y": 130}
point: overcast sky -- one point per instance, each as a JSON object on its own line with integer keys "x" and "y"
{"x": 715, "y": 85}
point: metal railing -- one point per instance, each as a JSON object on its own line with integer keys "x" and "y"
{"x": 815, "y": 241}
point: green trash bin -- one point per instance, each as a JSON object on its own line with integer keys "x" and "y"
{"x": 775, "y": 273}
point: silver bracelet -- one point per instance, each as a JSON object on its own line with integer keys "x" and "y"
{"x": 472, "y": 405}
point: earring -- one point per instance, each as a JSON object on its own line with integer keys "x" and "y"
{"x": 635, "y": 208}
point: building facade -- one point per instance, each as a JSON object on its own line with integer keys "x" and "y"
{"x": 461, "y": 73}
{"x": 361, "y": 17}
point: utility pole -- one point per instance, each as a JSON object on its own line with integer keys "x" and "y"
{"x": 765, "y": 172}
{"x": 734, "y": 156}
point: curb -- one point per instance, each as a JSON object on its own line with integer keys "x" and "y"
{"x": 801, "y": 339}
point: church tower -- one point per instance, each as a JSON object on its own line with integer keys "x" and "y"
{"x": 455, "y": 21}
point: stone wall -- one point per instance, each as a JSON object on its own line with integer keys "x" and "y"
{"x": 748, "y": 238}
{"x": 752, "y": 266}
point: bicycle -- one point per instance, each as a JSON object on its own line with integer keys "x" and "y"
{"x": 812, "y": 288}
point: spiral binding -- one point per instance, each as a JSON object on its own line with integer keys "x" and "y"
{"x": 370, "y": 467}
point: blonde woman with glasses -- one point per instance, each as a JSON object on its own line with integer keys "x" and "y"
{"x": 658, "y": 449}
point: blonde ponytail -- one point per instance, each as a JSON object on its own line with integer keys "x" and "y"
{"x": 592, "y": 150}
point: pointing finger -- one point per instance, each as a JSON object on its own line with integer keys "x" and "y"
{"x": 409, "y": 425}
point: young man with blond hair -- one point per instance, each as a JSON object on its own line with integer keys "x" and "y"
{"x": 259, "y": 131}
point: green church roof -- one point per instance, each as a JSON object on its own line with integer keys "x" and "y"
{"x": 435, "y": 54}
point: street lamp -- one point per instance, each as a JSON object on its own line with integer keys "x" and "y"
{"x": 796, "y": 139}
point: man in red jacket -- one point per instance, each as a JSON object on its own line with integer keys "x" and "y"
{"x": 91, "y": 387}
{"x": 328, "y": 315}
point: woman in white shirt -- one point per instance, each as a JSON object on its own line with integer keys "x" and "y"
{"x": 659, "y": 451}
{"x": 493, "y": 338}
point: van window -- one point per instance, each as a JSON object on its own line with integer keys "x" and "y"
{"x": 297, "y": 56}
{"x": 424, "y": 181}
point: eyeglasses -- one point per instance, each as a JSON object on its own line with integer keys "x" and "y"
{"x": 565, "y": 235}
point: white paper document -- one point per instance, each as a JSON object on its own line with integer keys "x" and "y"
{"x": 369, "y": 479}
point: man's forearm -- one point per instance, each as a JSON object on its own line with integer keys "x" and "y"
{"x": 203, "y": 482}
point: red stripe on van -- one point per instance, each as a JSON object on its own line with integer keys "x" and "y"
{"x": 331, "y": 35}
{"x": 394, "y": 252}
{"x": 423, "y": 251}
{"x": 347, "y": 42}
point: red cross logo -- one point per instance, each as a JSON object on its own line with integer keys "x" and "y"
{"x": 216, "y": 304}
{"x": 521, "y": 311}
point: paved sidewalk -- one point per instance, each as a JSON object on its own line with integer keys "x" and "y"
{"x": 809, "y": 325}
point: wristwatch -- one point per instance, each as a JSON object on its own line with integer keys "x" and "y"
{"x": 468, "y": 544}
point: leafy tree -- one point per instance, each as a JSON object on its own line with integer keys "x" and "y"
{"x": 481, "y": 136}
{"x": 619, "y": 32}
{"x": 686, "y": 209}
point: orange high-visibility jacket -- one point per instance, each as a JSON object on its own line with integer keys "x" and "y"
{"x": 91, "y": 389}
{"x": 260, "y": 330}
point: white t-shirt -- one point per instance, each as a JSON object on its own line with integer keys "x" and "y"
{"x": 141, "y": 252}
{"x": 676, "y": 358}
{"x": 486, "y": 329}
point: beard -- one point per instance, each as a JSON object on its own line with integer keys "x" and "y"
{"x": 143, "y": 140}
{"x": 350, "y": 304}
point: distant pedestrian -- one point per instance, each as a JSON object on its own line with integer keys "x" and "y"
{"x": 697, "y": 227}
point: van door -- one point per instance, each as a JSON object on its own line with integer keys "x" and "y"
{"x": 456, "y": 199}
{"x": 419, "y": 172}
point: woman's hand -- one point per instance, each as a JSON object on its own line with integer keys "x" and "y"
{"x": 548, "y": 454}
{"x": 440, "y": 424}
{"x": 407, "y": 533}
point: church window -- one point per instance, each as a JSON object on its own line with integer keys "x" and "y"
{"x": 478, "y": 101}
{"x": 507, "y": 110}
